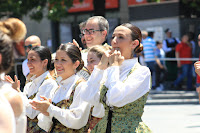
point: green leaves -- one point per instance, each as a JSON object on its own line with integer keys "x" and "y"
{"x": 57, "y": 9}
{"x": 192, "y": 7}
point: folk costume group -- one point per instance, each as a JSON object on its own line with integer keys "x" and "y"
{"x": 111, "y": 101}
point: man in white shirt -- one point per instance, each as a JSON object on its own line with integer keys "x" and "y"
{"x": 95, "y": 32}
{"x": 29, "y": 43}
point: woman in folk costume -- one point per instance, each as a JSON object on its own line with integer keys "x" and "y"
{"x": 93, "y": 58}
{"x": 67, "y": 113}
{"x": 42, "y": 83}
{"x": 125, "y": 90}
{"x": 12, "y": 30}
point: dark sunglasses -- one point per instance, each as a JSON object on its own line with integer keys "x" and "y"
{"x": 28, "y": 46}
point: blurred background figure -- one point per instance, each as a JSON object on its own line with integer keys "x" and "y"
{"x": 12, "y": 30}
{"x": 19, "y": 51}
{"x": 81, "y": 27}
{"x": 141, "y": 54}
{"x": 160, "y": 68}
{"x": 194, "y": 47}
{"x": 144, "y": 34}
{"x": 184, "y": 50}
{"x": 169, "y": 45}
{"x": 198, "y": 75}
{"x": 149, "y": 45}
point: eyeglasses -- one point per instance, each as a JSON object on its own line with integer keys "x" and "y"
{"x": 198, "y": 40}
{"x": 90, "y": 31}
{"x": 28, "y": 46}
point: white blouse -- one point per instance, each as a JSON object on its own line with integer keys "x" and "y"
{"x": 119, "y": 93}
{"x": 41, "y": 87}
{"x": 76, "y": 116}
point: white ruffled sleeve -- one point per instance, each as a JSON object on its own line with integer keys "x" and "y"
{"x": 121, "y": 93}
{"x": 46, "y": 89}
{"x": 98, "y": 111}
{"x": 44, "y": 122}
{"x": 75, "y": 117}
{"x": 90, "y": 92}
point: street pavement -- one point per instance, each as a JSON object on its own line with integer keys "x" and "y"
{"x": 172, "y": 112}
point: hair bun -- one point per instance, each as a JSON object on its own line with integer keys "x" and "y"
{"x": 139, "y": 48}
{"x": 14, "y": 28}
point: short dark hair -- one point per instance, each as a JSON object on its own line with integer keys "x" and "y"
{"x": 150, "y": 33}
{"x": 158, "y": 42}
{"x": 167, "y": 30}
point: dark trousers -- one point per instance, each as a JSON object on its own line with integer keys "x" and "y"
{"x": 186, "y": 71}
{"x": 151, "y": 66}
{"x": 161, "y": 75}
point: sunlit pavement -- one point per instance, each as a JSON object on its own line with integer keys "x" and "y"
{"x": 173, "y": 112}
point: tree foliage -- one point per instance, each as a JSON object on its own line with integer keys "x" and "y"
{"x": 190, "y": 8}
{"x": 19, "y": 8}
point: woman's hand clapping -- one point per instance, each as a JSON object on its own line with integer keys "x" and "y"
{"x": 41, "y": 105}
{"x": 15, "y": 84}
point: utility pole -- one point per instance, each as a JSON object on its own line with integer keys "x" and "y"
{"x": 124, "y": 11}
{"x": 99, "y": 7}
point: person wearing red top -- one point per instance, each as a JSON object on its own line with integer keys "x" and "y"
{"x": 184, "y": 50}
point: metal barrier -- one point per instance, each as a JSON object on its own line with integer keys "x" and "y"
{"x": 173, "y": 59}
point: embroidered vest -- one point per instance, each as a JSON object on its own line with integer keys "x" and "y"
{"x": 171, "y": 45}
{"x": 32, "y": 126}
{"x": 57, "y": 127}
{"x": 132, "y": 112}
{"x": 84, "y": 73}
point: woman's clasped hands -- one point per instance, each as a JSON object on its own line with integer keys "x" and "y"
{"x": 110, "y": 58}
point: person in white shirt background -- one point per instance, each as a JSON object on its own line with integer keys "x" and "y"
{"x": 160, "y": 68}
{"x": 41, "y": 84}
{"x": 13, "y": 119}
{"x": 126, "y": 87}
{"x": 29, "y": 43}
{"x": 67, "y": 112}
